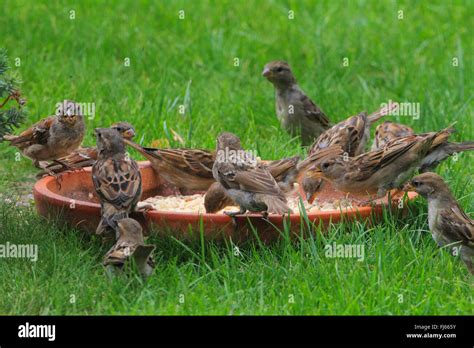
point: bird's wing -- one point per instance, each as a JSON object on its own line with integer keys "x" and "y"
{"x": 119, "y": 253}
{"x": 279, "y": 168}
{"x": 365, "y": 165}
{"x": 196, "y": 161}
{"x": 36, "y": 134}
{"x": 313, "y": 112}
{"x": 117, "y": 181}
{"x": 455, "y": 223}
{"x": 257, "y": 180}
{"x": 348, "y": 134}
{"x": 193, "y": 161}
{"x": 251, "y": 179}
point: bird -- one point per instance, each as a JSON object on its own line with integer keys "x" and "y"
{"x": 297, "y": 113}
{"x": 387, "y": 131}
{"x": 448, "y": 223}
{"x": 375, "y": 172}
{"x": 441, "y": 151}
{"x": 85, "y": 156}
{"x": 351, "y": 134}
{"x": 130, "y": 245}
{"x": 284, "y": 171}
{"x": 216, "y": 198}
{"x": 117, "y": 180}
{"x": 187, "y": 169}
{"x": 246, "y": 181}
{"x": 53, "y": 137}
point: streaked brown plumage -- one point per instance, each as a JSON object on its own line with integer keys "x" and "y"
{"x": 187, "y": 169}
{"x": 116, "y": 178}
{"x": 130, "y": 245}
{"x": 376, "y": 172}
{"x": 351, "y": 134}
{"x": 248, "y": 182}
{"x": 297, "y": 113}
{"x": 284, "y": 171}
{"x": 53, "y": 137}
{"x": 388, "y": 131}
{"x": 85, "y": 156}
{"x": 448, "y": 223}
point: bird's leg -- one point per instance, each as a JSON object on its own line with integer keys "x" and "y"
{"x": 63, "y": 164}
{"x": 37, "y": 164}
{"x": 233, "y": 214}
{"x": 265, "y": 214}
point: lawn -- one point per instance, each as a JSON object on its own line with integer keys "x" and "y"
{"x": 421, "y": 55}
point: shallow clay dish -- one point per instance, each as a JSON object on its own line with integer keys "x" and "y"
{"x": 75, "y": 202}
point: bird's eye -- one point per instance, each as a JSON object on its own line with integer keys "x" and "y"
{"x": 416, "y": 183}
{"x": 279, "y": 69}
{"x": 325, "y": 165}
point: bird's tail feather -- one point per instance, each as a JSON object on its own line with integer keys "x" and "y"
{"x": 459, "y": 147}
{"x": 276, "y": 205}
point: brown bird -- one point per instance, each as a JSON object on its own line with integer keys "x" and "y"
{"x": 246, "y": 181}
{"x": 284, "y": 171}
{"x": 130, "y": 245}
{"x": 53, "y": 137}
{"x": 387, "y": 131}
{"x": 441, "y": 151}
{"x": 187, "y": 169}
{"x": 116, "y": 178}
{"x": 351, "y": 134}
{"x": 298, "y": 114}
{"x": 449, "y": 224}
{"x": 376, "y": 172}
{"x": 216, "y": 198}
{"x": 85, "y": 156}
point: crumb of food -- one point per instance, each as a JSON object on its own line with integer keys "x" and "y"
{"x": 195, "y": 204}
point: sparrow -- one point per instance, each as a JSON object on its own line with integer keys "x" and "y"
{"x": 216, "y": 198}
{"x": 297, "y": 113}
{"x": 130, "y": 245}
{"x": 441, "y": 151}
{"x": 351, "y": 134}
{"x": 84, "y": 156}
{"x": 246, "y": 181}
{"x": 116, "y": 179}
{"x": 375, "y": 172}
{"x": 284, "y": 171}
{"x": 53, "y": 137}
{"x": 387, "y": 131}
{"x": 187, "y": 169}
{"x": 448, "y": 223}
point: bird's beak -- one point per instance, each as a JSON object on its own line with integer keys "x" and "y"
{"x": 129, "y": 134}
{"x": 408, "y": 187}
{"x": 266, "y": 72}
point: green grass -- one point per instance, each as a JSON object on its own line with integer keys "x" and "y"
{"x": 82, "y": 59}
